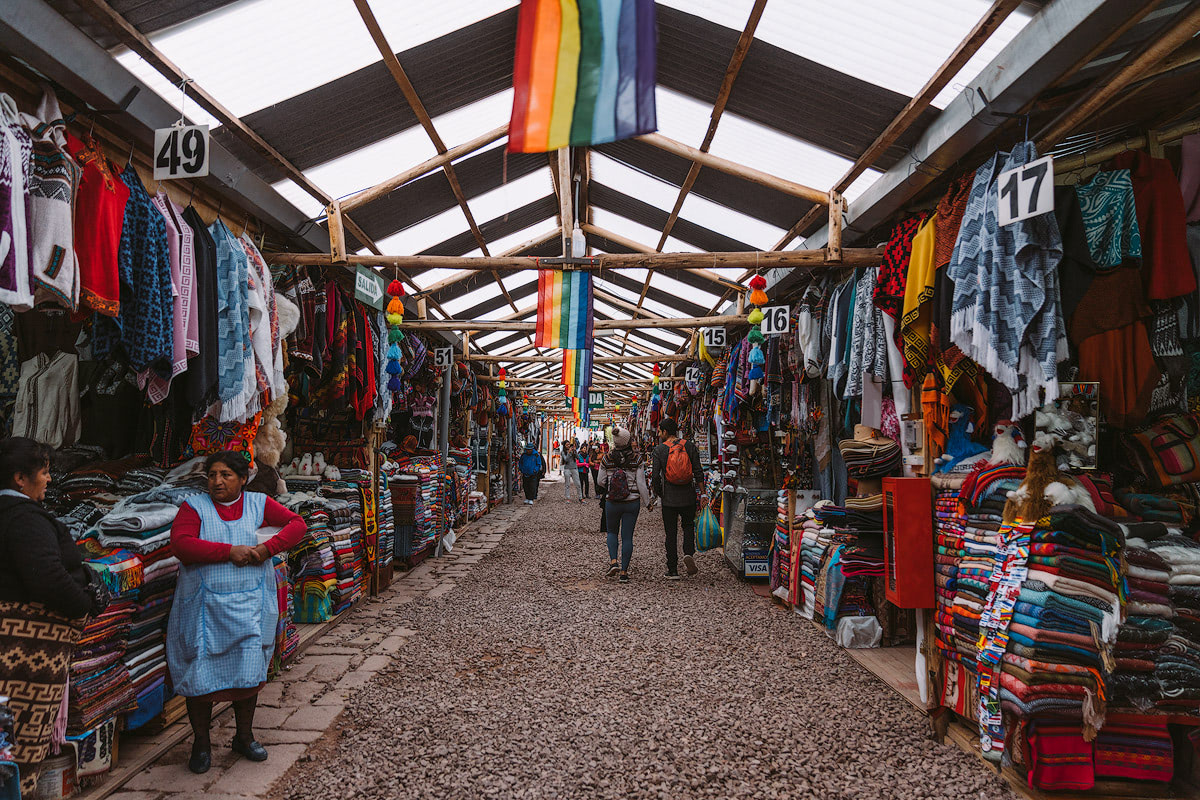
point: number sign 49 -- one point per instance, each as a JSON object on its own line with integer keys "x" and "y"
{"x": 181, "y": 152}
{"x": 1026, "y": 191}
{"x": 776, "y": 320}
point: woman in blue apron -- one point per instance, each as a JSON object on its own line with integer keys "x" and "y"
{"x": 221, "y": 633}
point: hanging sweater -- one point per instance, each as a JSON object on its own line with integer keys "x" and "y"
{"x": 236, "y": 382}
{"x": 54, "y": 177}
{"x": 201, "y": 375}
{"x": 99, "y": 218}
{"x": 15, "y": 149}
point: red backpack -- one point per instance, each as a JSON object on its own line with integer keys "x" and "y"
{"x": 679, "y": 463}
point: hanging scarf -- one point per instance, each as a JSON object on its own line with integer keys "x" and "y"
{"x": 914, "y": 329}
{"x": 235, "y": 388}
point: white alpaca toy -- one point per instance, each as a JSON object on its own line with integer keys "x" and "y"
{"x": 1008, "y": 446}
{"x": 332, "y": 473}
{"x": 306, "y": 464}
{"x": 319, "y": 464}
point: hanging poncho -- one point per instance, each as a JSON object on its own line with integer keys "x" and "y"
{"x": 1005, "y": 315}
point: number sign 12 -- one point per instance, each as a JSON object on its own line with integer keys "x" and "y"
{"x": 714, "y": 338}
{"x": 181, "y": 152}
{"x": 443, "y": 357}
{"x": 1026, "y": 191}
{"x": 776, "y": 320}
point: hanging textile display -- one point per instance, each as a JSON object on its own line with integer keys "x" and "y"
{"x": 564, "y": 309}
{"x": 395, "y": 316}
{"x": 577, "y": 368}
{"x": 583, "y": 74}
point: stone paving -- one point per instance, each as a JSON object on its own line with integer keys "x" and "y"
{"x": 297, "y": 708}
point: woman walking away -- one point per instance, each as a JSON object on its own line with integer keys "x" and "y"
{"x": 533, "y": 469}
{"x": 221, "y": 632}
{"x": 570, "y": 472}
{"x": 581, "y": 463}
{"x": 623, "y": 479}
{"x": 45, "y": 593}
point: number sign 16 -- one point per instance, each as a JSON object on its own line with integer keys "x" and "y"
{"x": 1026, "y": 191}
{"x": 443, "y": 357}
{"x": 776, "y": 320}
{"x": 181, "y": 152}
{"x": 714, "y": 338}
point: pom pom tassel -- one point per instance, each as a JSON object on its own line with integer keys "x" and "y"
{"x": 394, "y": 384}
{"x": 395, "y": 336}
{"x": 755, "y": 317}
{"x": 756, "y": 336}
{"x": 395, "y": 288}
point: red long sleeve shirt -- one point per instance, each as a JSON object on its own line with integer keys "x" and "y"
{"x": 189, "y": 548}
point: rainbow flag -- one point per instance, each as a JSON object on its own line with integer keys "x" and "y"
{"x": 564, "y": 310}
{"x": 583, "y": 74}
{"x": 577, "y": 370}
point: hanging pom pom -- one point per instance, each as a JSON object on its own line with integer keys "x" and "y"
{"x": 756, "y": 356}
{"x": 394, "y": 384}
{"x": 758, "y": 282}
{"x": 394, "y": 368}
{"x": 502, "y": 384}
{"x": 394, "y": 306}
{"x": 756, "y": 373}
{"x": 394, "y": 353}
{"x": 395, "y": 319}
{"x": 756, "y": 336}
{"x": 657, "y": 370}
{"x": 755, "y": 317}
{"x": 503, "y": 372}
{"x": 758, "y": 298}
{"x": 395, "y": 335}
{"x": 395, "y": 288}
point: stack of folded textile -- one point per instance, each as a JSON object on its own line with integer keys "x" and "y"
{"x": 949, "y": 551}
{"x": 460, "y": 467}
{"x": 287, "y": 638}
{"x": 100, "y": 686}
{"x": 1139, "y": 642}
{"x": 855, "y": 557}
{"x": 870, "y": 458}
{"x": 1137, "y": 749}
{"x": 312, "y": 567}
{"x": 386, "y": 547}
{"x": 1177, "y": 668}
{"x": 780, "y": 552}
{"x": 404, "y": 490}
{"x": 476, "y": 505}
{"x": 145, "y": 654}
{"x": 429, "y": 518}
{"x": 812, "y": 553}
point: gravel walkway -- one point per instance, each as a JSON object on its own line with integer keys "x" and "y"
{"x": 536, "y": 677}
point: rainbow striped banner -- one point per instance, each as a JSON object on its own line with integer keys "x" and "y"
{"x": 577, "y": 370}
{"x": 564, "y": 312}
{"x": 583, "y": 74}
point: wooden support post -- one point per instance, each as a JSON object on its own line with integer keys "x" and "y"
{"x": 833, "y": 251}
{"x": 422, "y": 308}
{"x": 565, "y": 186}
{"x": 337, "y": 232}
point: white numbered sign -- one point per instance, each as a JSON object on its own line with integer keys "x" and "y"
{"x": 775, "y": 320}
{"x": 181, "y": 152}
{"x": 1026, "y": 191}
{"x": 443, "y": 357}
{"x": 714, "y": 338}
{"x": 692, "y": 375}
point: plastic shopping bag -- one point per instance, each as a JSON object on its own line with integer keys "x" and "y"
{"x": 708, "y": 531}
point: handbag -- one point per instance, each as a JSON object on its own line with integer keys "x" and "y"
{"x": 1168, "y": 452}
{"x": 709, "y": 535}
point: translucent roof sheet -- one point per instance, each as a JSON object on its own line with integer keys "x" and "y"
{"x": 255, "y": 53}
{"x": 893, "y": 44}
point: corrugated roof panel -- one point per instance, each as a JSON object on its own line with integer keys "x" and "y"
{"x": 255, "y": 53}
{"x": 148, "y": 16}
{"x": 604, "y": 197}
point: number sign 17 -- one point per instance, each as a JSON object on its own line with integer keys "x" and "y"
{"x": 1026, "y": 191}
{"x": 181, "y": 152}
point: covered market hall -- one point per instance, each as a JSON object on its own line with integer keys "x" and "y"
{"x": 599, "y": 399}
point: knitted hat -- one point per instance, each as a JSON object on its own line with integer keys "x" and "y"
{"x": 621, "y": 437}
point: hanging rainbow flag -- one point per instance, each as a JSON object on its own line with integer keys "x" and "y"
{"x": 577, "y": 370}
{"x": 564, "y": 311}
{"x": 583, "y": 74}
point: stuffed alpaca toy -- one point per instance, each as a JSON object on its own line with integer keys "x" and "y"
{"x": 306, "y": 464}
{"x": 1008, "y": 447}
{"x": 959, "y": 446}
{"x": 1044, "y": 486}
{"x": 319, "y": 464}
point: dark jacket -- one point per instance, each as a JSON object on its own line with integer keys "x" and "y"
{"x": 531, "y": 463}
{"x": 673, "y": 494}
{"x": 39, "y": 562}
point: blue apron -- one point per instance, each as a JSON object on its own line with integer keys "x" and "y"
{"x": 221, "y": 632}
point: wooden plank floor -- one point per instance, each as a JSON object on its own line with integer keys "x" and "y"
{"x": 895, "y": 666}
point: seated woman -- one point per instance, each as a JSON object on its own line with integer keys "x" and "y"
{"x": 221, "y": 633}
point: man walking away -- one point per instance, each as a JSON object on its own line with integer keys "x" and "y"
{"x": 676, "y": 477}
{"x": 533, "y": 469}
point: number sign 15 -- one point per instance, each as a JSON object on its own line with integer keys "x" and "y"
{"x": 776, "y": 320}
{"x": 714, "y": 338}
{"x": 181, "y": 152}
{"x": 1026, "y": 191}
{"x": 443, "y": 357}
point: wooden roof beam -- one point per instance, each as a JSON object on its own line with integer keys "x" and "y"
{"x": 598, "y": 324}
{"x": 967, "y": 48}
{"x": 515, "y": 251}
{"x": 731, "y": 72}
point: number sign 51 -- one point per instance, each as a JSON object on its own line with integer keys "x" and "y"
{"x": 181, "y": 152}
{"x": 1026, "y": 191}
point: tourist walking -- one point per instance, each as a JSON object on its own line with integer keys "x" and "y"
{"x": 594, "y": 456}
{"x": 676, "y": 477}
{"x": 570, "y": 472}
{"x": 533, "y": 469}
{"x": 623, "y": 479}
{"x": 581, "y": 464}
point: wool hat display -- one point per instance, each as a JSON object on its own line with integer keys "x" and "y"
{"x": 621, "y": 437}
{"x": 869, "y": 454}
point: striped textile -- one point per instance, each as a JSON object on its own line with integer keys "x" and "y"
{"x": 577, "y": 369}
{"x": 583, "y": 74}
{"x": 564, "y": 313}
